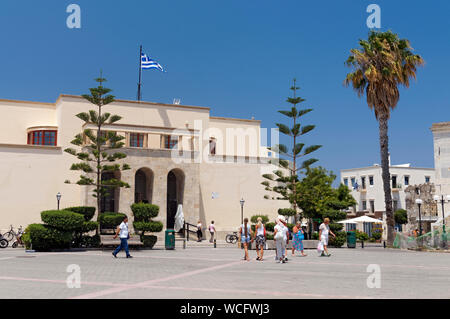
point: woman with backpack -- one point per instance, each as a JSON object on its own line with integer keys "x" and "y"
{"x": 297, "y": 242}
{"x": 245, "y": 233}
{"x": 260, "y": 238}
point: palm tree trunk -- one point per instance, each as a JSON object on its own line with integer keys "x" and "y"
{"x": 384, "y": 151}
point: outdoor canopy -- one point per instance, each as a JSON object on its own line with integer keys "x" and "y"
{"x": 361, "y": 219}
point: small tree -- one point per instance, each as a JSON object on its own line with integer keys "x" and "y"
{"x": 143, "y": 222}
{"x": 289, "y": 159}
{"x": 98, "y": 154}
{"x": 401, "y": 216}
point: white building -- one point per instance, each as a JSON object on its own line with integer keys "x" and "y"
{"x": 441, "y": 140}
{"x": 366, "y": 184}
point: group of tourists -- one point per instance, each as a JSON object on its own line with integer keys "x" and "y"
{"x": 281, "y": 236}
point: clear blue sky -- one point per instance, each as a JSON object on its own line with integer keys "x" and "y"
{"x": 237, "y": 57}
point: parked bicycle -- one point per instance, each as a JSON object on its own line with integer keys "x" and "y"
{"x": 3, "y": 242}
{"x": 11, "y": 235}
{"x": 232, "y": 238}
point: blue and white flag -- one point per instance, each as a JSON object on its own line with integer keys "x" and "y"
{"x": 148, "y": 63}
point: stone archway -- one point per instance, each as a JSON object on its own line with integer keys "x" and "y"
{"x": 143, "y": 185}
{"x": 175, "y": 194}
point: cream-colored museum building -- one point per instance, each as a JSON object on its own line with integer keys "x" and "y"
{"x": 178, "y": 154}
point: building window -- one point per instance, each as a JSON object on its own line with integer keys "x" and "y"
{"x": 170, "y": 142}
{"x": 406, "y": 180}
{"x": 363, "y": 182}
{"x": 346, "y": 182}
{"x": 394, "y": 181}
{"x": 371, "y": 180}
{"x": 395, "y": 204}
{"x": 372, "y": 206}
{"x": 42, "y": 138}
{"x": 353, "y": 181}
{"x": 364, "y": 205}
{"x": 427, "y": 179}
{"x": 212, "y": 146}
{"x": 136, "y": 140}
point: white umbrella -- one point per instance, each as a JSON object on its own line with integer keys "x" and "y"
{"x": 365, "y": 219}
{"x": 179, "y": 219}
{"x": 348, "y": 221}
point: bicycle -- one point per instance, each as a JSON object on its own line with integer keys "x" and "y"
{"x": 11, "y": 235}
{"x": 3, "y": 242}
{"x": 232, "y": 238}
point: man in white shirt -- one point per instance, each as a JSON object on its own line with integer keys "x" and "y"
{"x": 123, "y": 233}
{"x": 212, "y": 231}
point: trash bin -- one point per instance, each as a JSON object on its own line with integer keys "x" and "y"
{"x": 170, "y": 239}
{"x": 351, "y": 239}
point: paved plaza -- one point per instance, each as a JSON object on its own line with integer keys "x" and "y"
{"x": 220, "y": 273}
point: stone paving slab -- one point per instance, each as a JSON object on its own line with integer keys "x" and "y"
{"x": 221, "y": 273}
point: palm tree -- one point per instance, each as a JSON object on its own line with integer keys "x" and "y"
{"x": 379, "y": 67}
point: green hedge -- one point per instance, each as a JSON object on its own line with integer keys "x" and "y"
{"x": 152, "y": 227}
{"x": 362, "y": 236}
{"x": 149, "y": 240}
{"x": 86, "y": 211}
{"x": 90, "y": 241}
{"x": 110, "y": 220}
{"x": 43, "y": 238}
{"x": 144, "y": 212}
{"x": 254, "y": 219}
{"x": 88, "y": 226}
{"x": 341, "y": 238}
{"x": 286, "y": 212}
{"x": 335, "y": 227}
{"x": 270, "y": 226}
{"x": 62, "y": 219}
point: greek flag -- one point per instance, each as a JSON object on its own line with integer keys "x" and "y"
{"x": 148, "y": 63}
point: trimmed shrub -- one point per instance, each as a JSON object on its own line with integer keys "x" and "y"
{"x": 287, "y": 212}
{"x": 88, "y": 227}
{"x": 341, "y": 238}
{"x": 144, "y": 212}
{"x": 269, "y": 236}
{"x": 270, "y": 226}
{"x": 62, "y": 219}
{"x": 149, "y": 241}
{"x": 43, "y": 237}
{"x": 86, "y": 211}
{"x": 152, "y": 227}
{"x": 110, "y": 220}
{"x": 254, "y": 219}
{"x": 315, "y": 235}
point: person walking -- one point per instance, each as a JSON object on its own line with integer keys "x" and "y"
{"x": 199, "y": 231}
{"x": 281, "y": 239}
{"x": 297, "y": 240}
{"x": 260, "y": 239}
{"x": 245, "y": 233}
{"x": 124, "y": 235}
{"x": 212, "y": 231}
{"x": 324, "y": 231}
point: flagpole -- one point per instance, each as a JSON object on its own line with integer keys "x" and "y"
{"x": 140, "y": 72}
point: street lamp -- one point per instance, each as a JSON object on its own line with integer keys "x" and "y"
{"x": 419, "y": 203}
{"x": 58, "y": 198}
{"x": 242, "y": 201}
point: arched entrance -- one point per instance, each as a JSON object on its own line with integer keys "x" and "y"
{"x": 175, "y": 192}
{"x": 143, "y": 186}
{"x": 109, "y": 202}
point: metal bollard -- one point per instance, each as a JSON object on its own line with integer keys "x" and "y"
{"x": 215, "y": 244}
{"x": 184, "y": 244}
{"x": 362, "y": 243}
{"x": 384, "y": 244}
